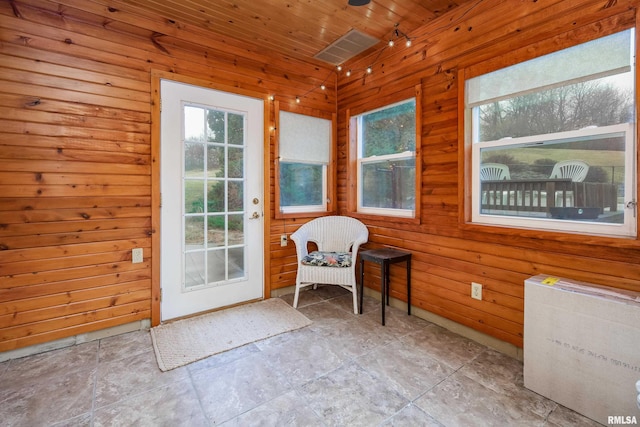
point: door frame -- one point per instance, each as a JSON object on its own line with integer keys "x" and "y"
{"x": 156, "y": 173}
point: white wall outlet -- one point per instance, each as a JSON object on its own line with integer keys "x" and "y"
{"x": 476, "y": 291}
{"x": 136, "y": 255}
{"x": 284, "y": 240}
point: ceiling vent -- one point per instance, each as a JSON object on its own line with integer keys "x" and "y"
{"x": 346, "y": 47}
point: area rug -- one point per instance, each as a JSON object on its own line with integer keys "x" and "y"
{"x": 188, "y": 340}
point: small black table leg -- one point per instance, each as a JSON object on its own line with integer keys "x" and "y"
{"x": 383, "y": 287}
{"x": 361, "y": 285}
{"x": 409, "y": 286}
{"x": 386, "y": 278}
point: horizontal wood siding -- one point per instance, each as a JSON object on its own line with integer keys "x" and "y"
{"x": 447, "y": 254}
{"x": 75, "y": 155}
{"x": 76, "y": 168}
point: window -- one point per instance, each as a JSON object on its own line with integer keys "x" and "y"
{"x": 304, "y": 157}
{"x": 553, "y": 140}
{"x": 386, "y": 160}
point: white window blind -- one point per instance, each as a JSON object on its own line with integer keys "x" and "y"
{"x": 599, "y": 58}
{"x": 304, "y": 139}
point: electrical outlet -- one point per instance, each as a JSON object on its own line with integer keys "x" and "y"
{"x": 476, "y": 291}
{"x": 136, "y": 255}
{"x": 283, "y": 240}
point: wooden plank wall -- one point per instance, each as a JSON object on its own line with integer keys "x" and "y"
{"x": 75, "y": 164}
{"x": 447, "y": 254}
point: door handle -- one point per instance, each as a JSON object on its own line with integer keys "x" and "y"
{"x": 255, "y": 215}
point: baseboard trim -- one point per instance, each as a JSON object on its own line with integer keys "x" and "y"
{"x": 75, "y": 340}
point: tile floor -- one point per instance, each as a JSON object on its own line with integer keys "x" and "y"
{"x": 343, "y": 370}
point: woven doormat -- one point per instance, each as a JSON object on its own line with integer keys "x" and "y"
{"x": 188, "y": 340}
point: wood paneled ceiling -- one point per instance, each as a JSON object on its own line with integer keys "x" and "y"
{"x": 299, "y": 28}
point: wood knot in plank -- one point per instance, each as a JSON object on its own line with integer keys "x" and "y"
{"x": 156, "y": 43}
{"x": 14, "y": 7}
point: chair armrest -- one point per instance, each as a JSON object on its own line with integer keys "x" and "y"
{"x": 361, "y": 239}
{"x": 301, "y": 238}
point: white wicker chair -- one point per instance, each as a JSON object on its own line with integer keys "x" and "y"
{"x": 334, "y": 263}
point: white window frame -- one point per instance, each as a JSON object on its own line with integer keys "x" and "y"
{"x": 361, "y": 161}
{"x": 627, "y": 229}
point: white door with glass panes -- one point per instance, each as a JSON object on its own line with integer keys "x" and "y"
{"x": 212, "y": 208}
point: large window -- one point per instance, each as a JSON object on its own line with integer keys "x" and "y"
{"x": 553, "y": 140}
{"x": 304, "y": 152}
{"x": 386, "y": 160}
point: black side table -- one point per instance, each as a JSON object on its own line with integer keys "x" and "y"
{"x": 385, "y": 257}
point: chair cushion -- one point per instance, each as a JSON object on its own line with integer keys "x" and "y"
{"x": 328, "y": 259}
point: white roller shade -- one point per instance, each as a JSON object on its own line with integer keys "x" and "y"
{"x": 598, "y": 58}
{"x": 304, "y": 138}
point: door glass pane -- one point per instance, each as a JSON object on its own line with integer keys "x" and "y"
{"x": 194, "y": 269}
{"x": 194, "y": 232}
{"x": 193, "y": 123}
{"x": 216, "y": 266}
{"x": 236, "y": 129}
{"x": 236, "y": 196}
{"x": 215, "y": 161}
{"x": 193, "y": 160}
{"x": 236, "y": 162}
{"x": 216, "y": 126}
{"x": 215, "y": 196}
{"x": 236, "y": 263}
{"x": 193, "y": 196}
{"x": 215, "y": 231}
{"x": 236, "y": 230}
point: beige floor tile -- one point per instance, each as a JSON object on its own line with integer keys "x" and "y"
{"x": 443, "y": 345}
{"x": 407, "y": 370}
{"x": 411, "y": 416}
{"x": 351, "y": 396}
{"x": 122, "y": 378}
{"x": 461, "y": 401}
{"x": 304, "y": 358}
{"x": 47, "y": 400}
{"x": 235, "y": 388}
{"x": 172, "y": 405}
{"x": 53, "y": 363}
{"x": 125, "y": 345}
{"x": 286, "y": 410}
